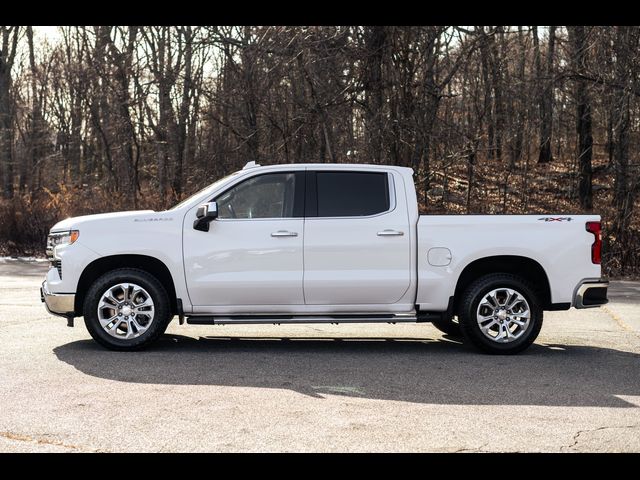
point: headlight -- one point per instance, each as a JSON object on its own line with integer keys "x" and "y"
{"x": 63, "y": 238}
{"x": 60, "y": 238}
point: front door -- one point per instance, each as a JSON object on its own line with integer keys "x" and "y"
{"x": 252, "y": 253}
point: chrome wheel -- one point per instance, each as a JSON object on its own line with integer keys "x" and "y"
{"x": 503, "y": 315}
{"x": 125, "y": 311}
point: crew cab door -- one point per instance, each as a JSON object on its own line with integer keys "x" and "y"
{"x": 252, "y": 253}
{"x": 357, "y": 238}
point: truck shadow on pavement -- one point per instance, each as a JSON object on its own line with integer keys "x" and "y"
{"x": 433, "y": 371}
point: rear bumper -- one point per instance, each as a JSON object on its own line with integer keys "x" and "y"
{"x": 62, "y": 304}
{"x": 591, "y": 294}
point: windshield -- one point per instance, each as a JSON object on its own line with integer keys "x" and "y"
{"x": 213, "y": 186}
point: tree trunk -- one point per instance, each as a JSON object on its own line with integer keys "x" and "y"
{"x": 101, "y": 108}
{"x": 6, "y": 133}
{"x": 489, "y": 112}
{"x": 375, "y": 39}
{"x": 250, "y": 82}
{"x": 27, "y": 165}
{"x": 183, "y": 113}
{"x": 621, "y": 126}
{"x": 164, "y": 111}
{"x": 7, "y": 55}
{"x": 520, "y": 103}
{"x": 498, "y": 97}
{"x": 546, "y": 96}
{"x": 578, "y": 40}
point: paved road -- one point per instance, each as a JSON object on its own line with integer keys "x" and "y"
{"x": 316, "y": 388}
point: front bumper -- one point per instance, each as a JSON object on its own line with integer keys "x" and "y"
{"x": 62, "y": 304}
{"x": 592, "y": 293}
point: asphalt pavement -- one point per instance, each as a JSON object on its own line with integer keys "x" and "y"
{"x": 345, "y": 388}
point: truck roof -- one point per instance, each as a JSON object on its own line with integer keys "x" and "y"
{"x": 336, "y": 166}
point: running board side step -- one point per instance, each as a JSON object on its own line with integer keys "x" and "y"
{"x": 278, "y": 319}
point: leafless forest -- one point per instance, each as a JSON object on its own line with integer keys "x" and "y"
{"x": 493, "y": 119}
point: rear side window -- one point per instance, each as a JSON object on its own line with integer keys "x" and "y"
{"x": 352, "y": 194}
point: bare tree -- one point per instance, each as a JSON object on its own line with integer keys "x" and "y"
{"x": 578, "y": 39}
{"x": 8, "y": 48}
{"x": 375, "y": 42}
{"x": 625, "y": 42}
{"x": 546, "y": 88}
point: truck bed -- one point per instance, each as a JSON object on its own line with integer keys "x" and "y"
{"x": 447, "y": 244}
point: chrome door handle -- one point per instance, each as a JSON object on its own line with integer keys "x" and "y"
{"x": 284, "y": 233}
{"x": 390, "y": 233}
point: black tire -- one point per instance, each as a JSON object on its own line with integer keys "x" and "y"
{"x": 450, "y": 326}
{"x": 161, "y": 318}
{"x": 469, "y": 305}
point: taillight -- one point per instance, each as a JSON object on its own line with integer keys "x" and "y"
{"x": 596, "y": 248}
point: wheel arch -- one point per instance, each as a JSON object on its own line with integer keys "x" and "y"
{"x": 524, "y": 267}
{"x": 103, "y": 265}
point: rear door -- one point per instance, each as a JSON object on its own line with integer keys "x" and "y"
{"x": 356, "y": 238}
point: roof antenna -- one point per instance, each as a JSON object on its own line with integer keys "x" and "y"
{"x": 251, "y": 165}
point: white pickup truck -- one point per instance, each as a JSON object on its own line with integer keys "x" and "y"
{"x": 320, "y": 243}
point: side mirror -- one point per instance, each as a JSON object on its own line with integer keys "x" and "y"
{"x": 204, "y": 215}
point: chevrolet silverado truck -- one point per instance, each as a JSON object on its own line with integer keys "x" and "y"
{"x": 320, "y": 243}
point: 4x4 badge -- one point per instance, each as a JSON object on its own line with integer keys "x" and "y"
{"x": 556, "y": 219}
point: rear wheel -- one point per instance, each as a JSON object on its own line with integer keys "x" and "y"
{"x": 126, "y": 309}
{"x": 500, "y": 314}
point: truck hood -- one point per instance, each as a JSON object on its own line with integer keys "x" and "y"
{"x": 77, "y": 222}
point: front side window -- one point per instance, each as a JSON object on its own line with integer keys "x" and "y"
{"x": 352, "y": 194}
{"x": 263, "y": 196}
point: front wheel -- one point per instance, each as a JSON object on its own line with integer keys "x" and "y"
{"x": 126, "y": 309}
{"x": 500, "y": 314}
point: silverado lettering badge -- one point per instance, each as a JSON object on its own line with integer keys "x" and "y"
{"x": 556, "y": 219}
{"x": 153, "y": 219}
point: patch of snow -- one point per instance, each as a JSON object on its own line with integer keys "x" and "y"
{"x": 23, "y": 259}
